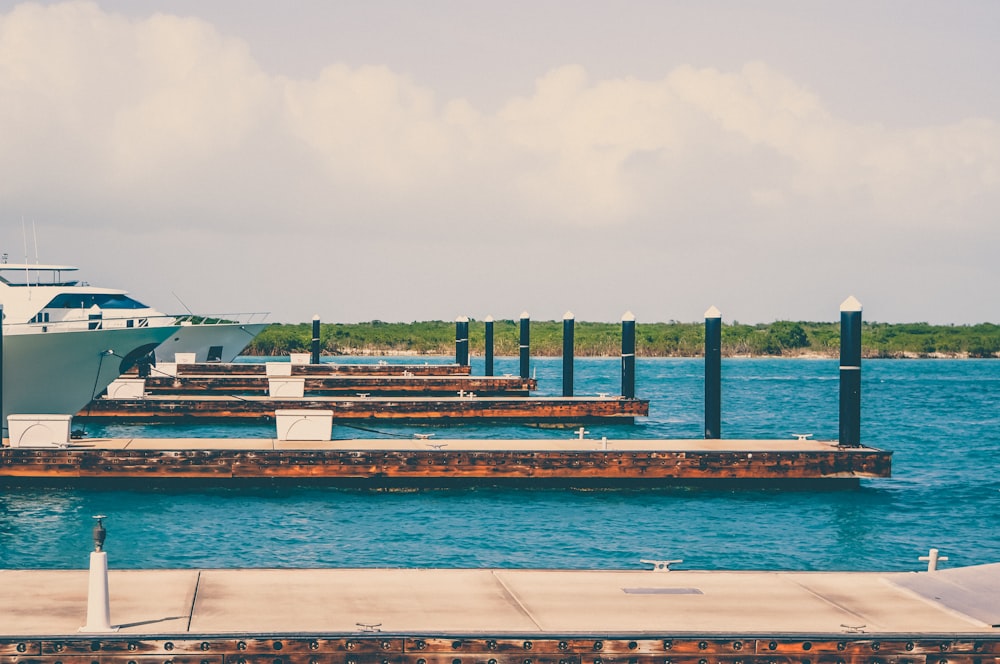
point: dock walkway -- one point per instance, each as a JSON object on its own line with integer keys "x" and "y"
{"x": 505, "y": 616}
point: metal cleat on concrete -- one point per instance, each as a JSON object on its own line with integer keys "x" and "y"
{"x": 661, "y": 565}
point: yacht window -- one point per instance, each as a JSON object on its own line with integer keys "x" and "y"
{"x": 87, "y": 300}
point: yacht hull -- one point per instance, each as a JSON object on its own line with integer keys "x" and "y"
{"x": 223, "y": 341}
{"x": 61, "y": 372}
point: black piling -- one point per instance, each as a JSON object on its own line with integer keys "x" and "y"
{"x": 3, "y": 420}
{"x": 315, "y": 341}
{"x": 567, "y": 355}
{"x": 628, "y": 355}
{"x": 850, "y": 373}
{"x": 462, "y": 341}
{"x": 525, "y": 345}
{"x": 488, "y": 342}
{"x": 713, "y": 374}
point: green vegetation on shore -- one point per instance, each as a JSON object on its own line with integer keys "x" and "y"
{"x": 674, "y": 339}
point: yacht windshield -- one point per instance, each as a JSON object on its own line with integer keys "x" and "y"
{"x": 87, "y": 300}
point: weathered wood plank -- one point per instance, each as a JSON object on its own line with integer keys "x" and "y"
{"x": 400, "y": 466}
{"x": 488, "y": 409}
{"x": 346, "y": 385}
{"x": 325, "y": 369}
{"x": 534, "y": 648}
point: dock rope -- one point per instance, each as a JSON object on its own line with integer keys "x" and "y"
{"x": 82, "y": 432}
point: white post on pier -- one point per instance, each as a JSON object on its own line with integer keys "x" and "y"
{"x": 98, "y": 599}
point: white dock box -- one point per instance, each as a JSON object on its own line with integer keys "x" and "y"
{"x": 278, "y": 368}
{"x": 39, "y": 430}
{"x": 299, "y": 358}
{"x": 185, "y": 358}
{"x": 304, "y": 424}
{"x": 127, "y": 388}
{"x": 165, "y": 369}
{"x": 286, "y": 388}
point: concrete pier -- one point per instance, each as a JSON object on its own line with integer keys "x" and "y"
{"x": 507, "y": 616}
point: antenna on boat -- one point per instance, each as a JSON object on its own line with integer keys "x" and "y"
{"x": 27, "y": 274}
{"x": 182, "y": 303}
{"x": 34, "y": 235}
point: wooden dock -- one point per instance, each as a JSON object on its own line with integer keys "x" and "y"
{"x": 503, "y": 616}
{"x": 350, "y": 384}
{"x": 324, "y": 369}
{"x": 370, "y": 463}
{"x": 540, "y": 410}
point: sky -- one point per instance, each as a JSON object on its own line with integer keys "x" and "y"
{"x": 401, "y": 161}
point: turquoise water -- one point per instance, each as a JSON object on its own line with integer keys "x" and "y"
{"x": 941, "y": 418}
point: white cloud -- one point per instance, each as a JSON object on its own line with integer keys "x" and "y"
{"x": 128, "y": 123}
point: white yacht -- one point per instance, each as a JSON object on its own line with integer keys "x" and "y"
{"x": 61, "y": 370}
{"x": 44, "y": 296}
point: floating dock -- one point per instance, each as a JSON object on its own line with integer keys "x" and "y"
{"x": 323, "y": 369}
{"x": 371, "y": 463}
{"x": 504, "y": 616}
{"x": 440, "y": 410}
{"x": 352, "y": 385}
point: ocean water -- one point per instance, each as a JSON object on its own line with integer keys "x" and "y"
{"x": 941, "y": 418}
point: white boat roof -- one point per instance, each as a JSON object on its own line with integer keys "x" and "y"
{"x": 21, "y": 267}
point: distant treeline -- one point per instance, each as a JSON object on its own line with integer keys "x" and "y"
{"x": 673, "y": 339}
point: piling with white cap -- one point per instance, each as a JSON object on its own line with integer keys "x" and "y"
{"x": 525, "y": 345}
{"x": 462, "y": 341}
{"x": 713, "y": 374}
{"x": 850, "y": 373}
{"x": 628, "y": 355}
{"x": 98, "y": 599}
{"x": 569, "y": 322}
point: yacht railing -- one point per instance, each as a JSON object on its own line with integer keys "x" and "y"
{"x": 115, "y": 323}
{"x": 222, "y": 319}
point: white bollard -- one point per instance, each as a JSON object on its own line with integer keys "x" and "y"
{"x": 98, "y": 599}
{"x": 932, "y": 559}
